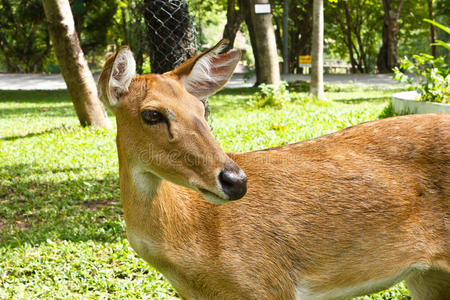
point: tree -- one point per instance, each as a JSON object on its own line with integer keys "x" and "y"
{"x": 234, "y": 19}
{"x": 352, "y": 27}
{"x": 129, "y": 29}
{"x": 387, "y": 57}
{"x": 414, "y": 34}
{"x": 93, "y": 21}
{"x": 263, "y": 42}
{"x": 300, "y": 30}
{"x": 74, "y": 68}
{"x": 24, "y": 40}
{"x": 316, "y": 88}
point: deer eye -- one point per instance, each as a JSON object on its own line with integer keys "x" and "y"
{"x": 152, "y": 117}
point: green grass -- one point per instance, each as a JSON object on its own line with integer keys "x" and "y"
{"x": 61, "y": 225}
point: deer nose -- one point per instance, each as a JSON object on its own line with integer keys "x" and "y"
{"x": 234, "y": 184}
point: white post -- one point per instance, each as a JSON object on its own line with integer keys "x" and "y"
{"x": 316, "y": 88}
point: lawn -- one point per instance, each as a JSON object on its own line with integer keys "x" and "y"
{"x": 61, "y": 226}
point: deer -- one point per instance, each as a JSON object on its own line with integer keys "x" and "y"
{"x": 342, "y": 215}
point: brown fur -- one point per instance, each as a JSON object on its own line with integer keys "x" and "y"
{"x": 357, "y": 206}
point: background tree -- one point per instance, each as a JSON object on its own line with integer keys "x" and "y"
{"x": 352, "y": 27}
{"x": 74, "y": 67}
{"x": 93, "y": 22}
{"x": 129, "y": 28}
{"x": 353, "y": 31}
{"x": 24, "y": 40}
{"x": 300, "y": 30}
{"x": 209, "y": 19}
{"x": 414, "y": 34}
{"x": 235, "y": 17}
{"x": 263, "y": 42}
{"x": 387, "y": 57}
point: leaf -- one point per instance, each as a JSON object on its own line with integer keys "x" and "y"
{"x": 445, "y": 28}
{"x": 442, "y": 43}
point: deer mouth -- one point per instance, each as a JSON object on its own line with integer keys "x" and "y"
{"x": 212, "y": 197}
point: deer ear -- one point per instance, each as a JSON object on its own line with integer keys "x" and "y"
{"x": 116, "y": 76}
{"x": 208, "y": 72}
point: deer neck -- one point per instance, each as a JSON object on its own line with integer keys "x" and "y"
{"x": 158, "y": 214}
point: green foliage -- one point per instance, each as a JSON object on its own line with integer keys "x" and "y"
{"x": 300, "y": 29}
{"x": 271, "y": 95}
{"x": 353, "y": 32}
{"x": 130, "y": 29}
{"x": 24, "y": 40}
{"x": 104, "y": 25}
{"x": 62, "y": 234}
{"x": 299, "y": 86}
{"x": 387, "y": 112}
{"x": 209, "y": 19}
{"x": 446, "y": 45}
{"x": 413, "y": 36}
{"x": 433, "y": 75}
{"x": 93, "y": 21}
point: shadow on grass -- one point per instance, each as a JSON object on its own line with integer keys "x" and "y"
{"x": 60, "y": 111}
{"x": 76, "y": 209}
{"x": 244, "y": 91}
{"x": 34, "y": 96}
{"x": 231, "y": 98}
{"x": 33, "y": 134}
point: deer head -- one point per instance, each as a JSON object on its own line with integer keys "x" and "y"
{"x": 160, "y": 119}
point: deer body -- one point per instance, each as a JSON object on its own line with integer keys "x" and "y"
{"x": 342, "y": 215}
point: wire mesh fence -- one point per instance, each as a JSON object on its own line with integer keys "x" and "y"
{"x": 171, "y": 33}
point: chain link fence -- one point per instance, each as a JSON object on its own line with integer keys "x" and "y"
{"x": 172, "y": 36}
{"x": 171, "y": 33}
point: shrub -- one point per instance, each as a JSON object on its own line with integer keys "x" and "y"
{"x": 271, "y": 95}
{"x": 433, "y": 75}
{"x": 299, "y": 86}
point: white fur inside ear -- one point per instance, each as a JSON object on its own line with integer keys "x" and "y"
{"x": 124, "y": 69}
{"x": 208, "y": 74}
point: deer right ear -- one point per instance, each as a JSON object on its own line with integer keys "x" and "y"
{"x": 116, "y": 76}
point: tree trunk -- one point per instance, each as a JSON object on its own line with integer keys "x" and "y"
{"x": 316, "y": 88}
{"x": 432, "y": 29}
{"x": 263, "y": 41}
{"x": 387, "y": 57}
{"x": 346, "y": 28}
{"x": 299, "y": 30}
{"x": 74, "y": 68}
{"x": 234, "y": 20}
{"x": 300, "y": 33}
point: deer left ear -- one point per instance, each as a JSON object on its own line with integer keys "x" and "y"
{"x": 206, "y": 73}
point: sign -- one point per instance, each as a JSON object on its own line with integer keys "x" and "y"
{"x": 305, "y": 60}
{"x": 263, "y": 9}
